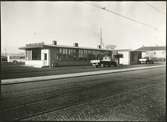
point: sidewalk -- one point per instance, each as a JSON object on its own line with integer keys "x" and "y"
{"x": 42, "y": 78}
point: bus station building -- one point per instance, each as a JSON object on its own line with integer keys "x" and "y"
{"x": 40, "y": 54}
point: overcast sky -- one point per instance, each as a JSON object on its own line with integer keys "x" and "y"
{"x": 68, "y": 22}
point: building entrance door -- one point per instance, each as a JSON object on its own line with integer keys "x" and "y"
{"x": 45, "y": 59}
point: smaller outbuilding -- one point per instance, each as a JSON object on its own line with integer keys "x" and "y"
{"x": 157, "y": 53}
{"x": 129, "y": 57}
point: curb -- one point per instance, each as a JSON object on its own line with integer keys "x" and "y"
{"x": 71, "y": 75}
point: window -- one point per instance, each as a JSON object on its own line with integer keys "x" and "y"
{"x": 60, "y": 50}
{"x": 28, "y": 54}
{"x": 64, "y": 50}
{"x": 85, "y": 53}
{"x": 68, "y": 51}
{"x": 81, "y": 53}
{"x": 36, "y": 54}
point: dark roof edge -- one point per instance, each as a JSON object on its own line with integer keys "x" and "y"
{"x": 146, "y": 48}
{"x": 52, "y": 46}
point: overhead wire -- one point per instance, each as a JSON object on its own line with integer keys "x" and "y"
{"x": 159, "y": 11}
{"x": 123, "y": 16}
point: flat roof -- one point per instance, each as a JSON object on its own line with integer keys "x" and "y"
{"x": 60, "y": 46}
{"x": 149, "y": 48}
{"x": 124, "y": 50}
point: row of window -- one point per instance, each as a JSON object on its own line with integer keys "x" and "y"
{"x": 81, "y": 52}
{"x": 73, "y": 57}
{"x": 68, "y": 53}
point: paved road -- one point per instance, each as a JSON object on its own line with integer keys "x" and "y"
{"x": 34, "y": 99}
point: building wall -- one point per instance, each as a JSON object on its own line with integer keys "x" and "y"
{"x": 67, "y": 57}
{"x": 126, "y": 57}
{"x": 34, "y": 63}
{"x": 135, "y": 56}
{"x": 155, "y": 53}
{"x": 28, "y": 54}
{"x": 54, "y": 57}
{"x": 62, "y": 56}
{"x": 160, "y": 53}
{"x": 70, "y": 56}
{"x": 115, "y": 52}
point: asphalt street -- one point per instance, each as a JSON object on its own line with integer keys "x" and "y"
{"x": 46, "y": 100}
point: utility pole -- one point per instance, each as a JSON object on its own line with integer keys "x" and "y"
{"x": 5, "y": 53}
{"x": 101, "y": 38}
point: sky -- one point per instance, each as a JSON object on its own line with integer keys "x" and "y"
{"x": 26, "y": 22}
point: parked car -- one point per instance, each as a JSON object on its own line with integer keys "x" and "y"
{"x": 106, "y": 61}
{"x": 146, "y": 60}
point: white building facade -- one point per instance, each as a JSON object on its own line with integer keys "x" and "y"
{"x": 129, "y": 57}
{"x": 126, "y": 57}
{"x": 154, "y": 52}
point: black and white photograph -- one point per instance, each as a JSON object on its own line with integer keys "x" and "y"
{"x": 83, "y": 61}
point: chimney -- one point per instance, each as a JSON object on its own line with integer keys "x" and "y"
{"x": 76, "y": 45}
{"x": 99, "y": 46}
{"x": 54, "y": 42}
